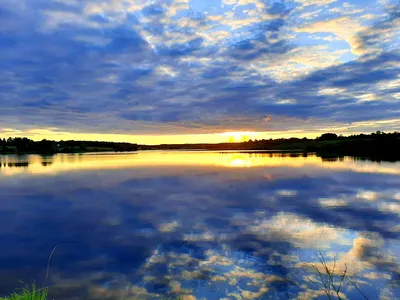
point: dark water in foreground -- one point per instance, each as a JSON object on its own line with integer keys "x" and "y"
{"x": 201, "y": 225}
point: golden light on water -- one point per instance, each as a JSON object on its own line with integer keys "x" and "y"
{"x": 240, "y": 161}
{"x": 35, "y": 164}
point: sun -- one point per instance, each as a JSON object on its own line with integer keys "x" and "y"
{"x": 238, "y": 136}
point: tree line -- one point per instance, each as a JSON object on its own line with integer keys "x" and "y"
{"x": 377, "y": 144}
{"x": 25, "y": 145}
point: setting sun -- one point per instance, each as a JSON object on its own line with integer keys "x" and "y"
{"x": 240, "y": 136}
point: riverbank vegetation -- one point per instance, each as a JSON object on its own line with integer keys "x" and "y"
{"x": 378, "y": 146}
{"x": 28, "y": 146}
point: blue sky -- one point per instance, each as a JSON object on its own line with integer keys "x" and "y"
{"x": 119, "y": 69}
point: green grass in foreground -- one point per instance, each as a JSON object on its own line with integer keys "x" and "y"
{"x": 32, "y": 292}
{"x": 28, "y": 293}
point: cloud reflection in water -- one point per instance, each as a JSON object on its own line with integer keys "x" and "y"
{"x": 192, "y": 224}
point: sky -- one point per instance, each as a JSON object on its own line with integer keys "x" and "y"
{"x": 198, "y": 71}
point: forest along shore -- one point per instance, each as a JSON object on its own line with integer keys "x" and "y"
{"x": 379, "y": 145}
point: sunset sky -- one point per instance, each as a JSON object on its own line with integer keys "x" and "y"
{"x": 198, "y": 70}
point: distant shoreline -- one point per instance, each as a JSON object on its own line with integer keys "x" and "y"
{"x": 379, "y": 145}
{"x": 27, "y": 146}
{"x": 300, "y": 151}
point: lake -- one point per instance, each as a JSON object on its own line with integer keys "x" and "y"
{"x": 199, "y": 225}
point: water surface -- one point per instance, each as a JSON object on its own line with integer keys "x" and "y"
{"x": 199, "y": 225}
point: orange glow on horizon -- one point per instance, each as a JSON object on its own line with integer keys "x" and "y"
{"x": 224, "y": 137}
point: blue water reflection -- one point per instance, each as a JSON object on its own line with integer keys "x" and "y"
{"x": 199, "y": 225}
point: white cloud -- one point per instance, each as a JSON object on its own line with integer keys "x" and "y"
{"x": 331, "y": 91}
{"x": 367, "y": 195}
{"x": 286, "y": 101}
{"x": 298, "y": 62}
{"x": 346, "y": 9}
{"x": 310, "y": 14}
{"x": 214, "y": 36}
{"x": 355, "y": 260}
{"x": 120, "y": 7}
{"x": 315, "y": 2}
{"x": 332, "y": 202}
{"x": 229, "y": 2}
{"x": 177, "y": 6}
{"x": 257, "y": 3}
{"x": 302, "y": 232}
{"x": 345, "y": 28}
{"x": 367, "y": 97}
{"x": 239, "y": 23}
{"x": 166, "y": 70}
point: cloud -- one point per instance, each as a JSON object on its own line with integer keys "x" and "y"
{"x": 365, "y": 254}
{"x": 381, "y": 36}
{"x": 345, "y": 28}
{"x": 302, "y": 233}
{"x": 315, "y": 2}
{"x": 170, "y": 67}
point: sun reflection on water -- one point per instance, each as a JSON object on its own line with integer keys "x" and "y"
{"x": 35, "y": 164}
{"x": 239, "y": 161}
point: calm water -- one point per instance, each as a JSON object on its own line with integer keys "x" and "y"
{"x": 202, "y": 225}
